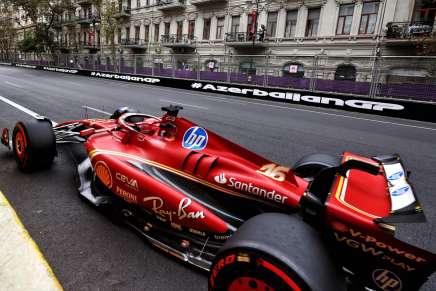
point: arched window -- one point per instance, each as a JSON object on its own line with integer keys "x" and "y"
{"x": 211, "y": 65}
{"x": 345, "y": 72}
{"x": 293, "y": 70}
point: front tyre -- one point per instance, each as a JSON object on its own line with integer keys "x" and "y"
{"x": 34, "y": 145}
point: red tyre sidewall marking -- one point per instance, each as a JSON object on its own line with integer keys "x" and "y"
{"x": 243, "y": 284}
{"x": 280, "y": 273}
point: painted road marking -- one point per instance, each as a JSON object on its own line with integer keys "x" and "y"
{"x": 96, "y": 110}
{"x": 23, "y": 109}
{"x": 14, "y": 85}
{"x": 184, "y": 104}
{"x": 23, "y": 266}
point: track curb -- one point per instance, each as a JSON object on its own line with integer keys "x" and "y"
{"x": 23, "y": 266}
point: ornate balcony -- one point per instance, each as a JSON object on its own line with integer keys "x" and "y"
{"x": 178, "y": 41}
{"x": 398, "y": 33}
{"x": 134, "y": 43}
{"x": 167, "y": 5}
{"x": 124, "y": 12}
{"x": 245, "y": 39}
{"x": 88, "y": 19}
{"x": 206, "y": 2}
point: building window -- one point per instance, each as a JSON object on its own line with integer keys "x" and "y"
{"x": 220, "y": 28}
{"x": 206, "y": 29}
{"x": 167, "y": 28}
{"x": 138, "y": 3}
{"x": 235, "y": 24}
{"x": 156, "y": 32}
{"x": 345, "y": 19}
{"x": 312, "y": 22}
{"x": 291, "y": 23}
{"x": 146, "y": 33}
{"x": 137, "y": 33}
{"x": 127, "y": 32}
{"x": 345, "y": 72}
{"x": 179, "y": 30}
{"x": 425, "y": 11}
{"x": 295, "y": 70}
{"x": 271, "y": 24}
{"x": 369, "y": 17}
{"x": 191, "y": 29}
{"x": 119, "y": 36}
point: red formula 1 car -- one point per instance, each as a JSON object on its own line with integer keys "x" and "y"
{"x": 325, "y": 224}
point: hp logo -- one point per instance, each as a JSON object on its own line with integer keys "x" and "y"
{"x": 195, "y": 138}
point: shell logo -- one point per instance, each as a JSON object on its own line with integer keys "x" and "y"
{"x": 103, "y": 173}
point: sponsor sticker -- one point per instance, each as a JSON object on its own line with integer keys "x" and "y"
{"x": 386, "y": 280}
{"x": 130, "y": 182}
{"x": 302, "y": 98}
{"x": 232, "y": 182}
{"x": 182, "y": 212}
{"x": 126, "y": 195}
{"x": 400, "y": 191}
{"x": 195, "y": 138}
{"x": 103, "y": 173}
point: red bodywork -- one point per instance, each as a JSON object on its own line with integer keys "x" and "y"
{"x": 351, "y": 208}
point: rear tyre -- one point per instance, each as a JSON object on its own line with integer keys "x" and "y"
{"x": 34, "y": 145}
{"x": 275, "y": 252}
{"x": 308, "y": 167}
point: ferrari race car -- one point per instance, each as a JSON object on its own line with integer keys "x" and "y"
{"x": 327, "y": 223}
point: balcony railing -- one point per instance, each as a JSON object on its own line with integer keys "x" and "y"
{"x": 245, "y": 38}
{"x": 170, "y": 4}
{"x": 88, "y": 19}
{"x": 124, "y": 12}
{"x": 133, "y": 42}
{"x": 178, "y": 40}
{"x": 90, "y": 44}
{"x": 84, "y": 2}
{"x": 201, "y": 2}
{"x": 409, "y": 30}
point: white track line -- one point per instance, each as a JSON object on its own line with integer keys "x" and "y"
{"x": 96, "y": 110}
{"x": 23, "y": 109}
{"x": 14, "y": 85}
{"x": 184, "y": 104}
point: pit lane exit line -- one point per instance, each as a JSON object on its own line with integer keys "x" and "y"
{"x": 23, "y": 265}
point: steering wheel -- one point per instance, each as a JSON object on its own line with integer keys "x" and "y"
{"x": 129, "y": 121}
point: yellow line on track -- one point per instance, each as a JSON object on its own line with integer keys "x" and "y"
{"x": 53, "y": 282}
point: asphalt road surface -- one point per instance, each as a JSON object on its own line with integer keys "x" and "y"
{"x": 88, "y": 252}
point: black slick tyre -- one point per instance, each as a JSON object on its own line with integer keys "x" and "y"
{"x": 34, "y": 145}
{"x": 275, "y": 252}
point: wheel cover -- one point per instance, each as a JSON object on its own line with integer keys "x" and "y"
{"x": 20, "y": 144}
{"x": 249, "y": 284}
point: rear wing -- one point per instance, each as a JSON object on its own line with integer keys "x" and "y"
{"x": 405, "y": 206}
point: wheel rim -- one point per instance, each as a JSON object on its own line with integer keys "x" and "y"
{"x": 20, "y": 144}
{"x": 249, "y": 284}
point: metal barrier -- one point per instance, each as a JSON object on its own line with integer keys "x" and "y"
{"x": 392, "y": 77}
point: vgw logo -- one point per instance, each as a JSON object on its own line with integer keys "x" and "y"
{"x": 195, "y": 138}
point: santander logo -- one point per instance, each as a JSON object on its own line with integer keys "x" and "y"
{"x": 232, "y": 182}
{"x": 221, "y": 179}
